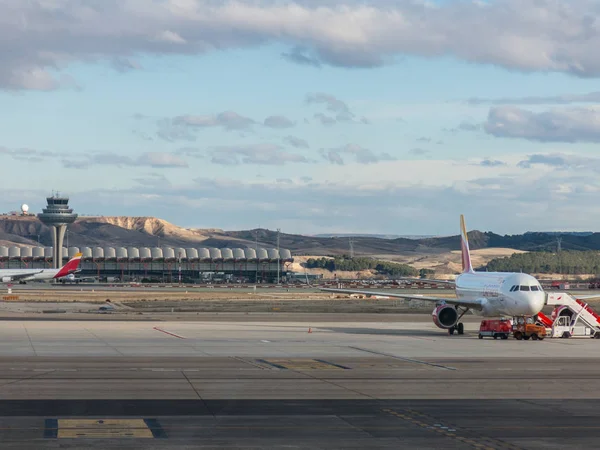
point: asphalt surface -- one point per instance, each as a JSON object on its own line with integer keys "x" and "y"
{"x": 304, "y": 384}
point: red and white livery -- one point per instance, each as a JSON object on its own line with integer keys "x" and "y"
{"x": 488, "y": 294}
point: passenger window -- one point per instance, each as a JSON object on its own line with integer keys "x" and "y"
{"x": 524, "y": 288}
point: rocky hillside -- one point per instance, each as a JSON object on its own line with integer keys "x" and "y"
{"x": 151, "y": 232}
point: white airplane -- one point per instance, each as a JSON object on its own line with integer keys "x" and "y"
{"x": 488, "y": 294}
{"x": 22, "y": 275}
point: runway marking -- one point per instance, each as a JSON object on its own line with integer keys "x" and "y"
{"x": 302, "y": 364}
{"x": 103, "y": 428}
{"x": 432, "y": 424}
{"x": 403, "y": 358}
{"x": 168, "y": 332}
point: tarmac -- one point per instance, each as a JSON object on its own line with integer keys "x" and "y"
{"x": 243, "y": 381}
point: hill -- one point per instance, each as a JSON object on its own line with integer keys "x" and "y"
{"x": 152, "y": 232}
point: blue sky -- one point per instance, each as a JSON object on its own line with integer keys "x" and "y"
{"x": 374, "y": 117}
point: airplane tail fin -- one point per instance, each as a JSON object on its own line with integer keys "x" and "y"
{"x": 70, "y": 266}
{"x": 464, "y": 245}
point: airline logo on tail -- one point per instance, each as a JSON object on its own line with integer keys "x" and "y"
{"x": 464, "y": 245}
{"x": 69, "y": 267}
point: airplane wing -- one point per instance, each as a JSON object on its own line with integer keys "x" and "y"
{"x": 474, "y": 304}
{"x": 23, "y": 275}
{"x": 429, "y": 281}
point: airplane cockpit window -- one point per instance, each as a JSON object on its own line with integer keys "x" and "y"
{"x": 524, "y": 288}
{"x": 514, "y": 288}
{"x": 534, "y": 288}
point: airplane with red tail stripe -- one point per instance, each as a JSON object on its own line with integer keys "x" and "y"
{"x": 23, "y": 275}
{"x": 488, "y": 294}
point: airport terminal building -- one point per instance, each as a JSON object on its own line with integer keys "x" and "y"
{"x": 161, "y": 265}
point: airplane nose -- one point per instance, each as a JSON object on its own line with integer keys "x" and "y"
{"x": 536, "y": 303}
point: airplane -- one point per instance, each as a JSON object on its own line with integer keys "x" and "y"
{"x": 487, "y": 294}
{"x": 23, "y": 275}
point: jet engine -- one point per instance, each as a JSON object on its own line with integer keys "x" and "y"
{"x": 445, "y": 316}
{"x": 6, "y": 279}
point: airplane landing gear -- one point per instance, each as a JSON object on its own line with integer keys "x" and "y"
{"x": 459, "y": 328}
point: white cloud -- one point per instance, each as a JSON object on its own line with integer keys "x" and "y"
{"x": 278, "y": 122}
{"x": 261, "y": 154}
{"x": 557, "y": 125}
{"x": 39, "y": 37}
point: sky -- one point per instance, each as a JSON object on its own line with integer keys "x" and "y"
{"x": 330, "y": 116}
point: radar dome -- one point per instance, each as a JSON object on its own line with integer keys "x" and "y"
{"x": 24, "y": 207}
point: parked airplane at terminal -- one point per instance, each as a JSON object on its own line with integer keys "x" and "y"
{"x": 489, "y": 294}
{"x": 22, "y": 275}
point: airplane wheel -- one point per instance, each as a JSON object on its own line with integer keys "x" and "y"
{"x": 461, "y": 328}
{"x": 480, "y": 336}
{"x": 450, "y": 331}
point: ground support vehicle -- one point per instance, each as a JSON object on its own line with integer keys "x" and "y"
{"x": 496, "y": 328}
{"x": 526, "y": 329}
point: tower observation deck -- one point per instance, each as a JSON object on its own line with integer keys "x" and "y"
{"x": 57, "y": 215}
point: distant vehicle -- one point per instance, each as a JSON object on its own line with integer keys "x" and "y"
{"x": 500, "y": 328}
{"x": 71, "y": 278}
{"x": 24, "y": 275}
{"x": 525, "y": 329}
{"x": 489, "y": 294}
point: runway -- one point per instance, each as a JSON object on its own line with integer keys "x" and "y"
{"x": 273, "y": 384}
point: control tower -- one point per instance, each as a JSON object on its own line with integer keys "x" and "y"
{"x": 57, "y": 215}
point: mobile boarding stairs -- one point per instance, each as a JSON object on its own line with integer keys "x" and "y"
{"x": 571, "y": 317}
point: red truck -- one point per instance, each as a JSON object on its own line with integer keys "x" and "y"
{"x": 497, "y": 328}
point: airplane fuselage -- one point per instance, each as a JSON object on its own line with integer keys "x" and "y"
{"x": 32, "y": 274}
{"x": 501, "y": 294}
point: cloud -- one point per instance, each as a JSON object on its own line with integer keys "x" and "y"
{"x": 121, "y": 64}
{"x": 161, "y": 160}
{"x": 562, "y": 161}
{"x": 278, "y": 122}
{"x": 591, "y": 97}
{"x": 350, "y": 205}
{"x": 424, "y": 139}
{"x": 557, "y": 125}
{"x": 184, "y": 128}
{"x": 361, "y": 155}
{"x": 45, "y": 37}
{"x": 31, "y": 155}
{"x": 466, "y": 126}
{"x": 229, "y": 120}
{"x": 419, "y": 151}
{"x": 301, "y": 56}
{"x": 261, "y": 154}
{"x": 491, "y": 163}
{"x": 296, "y": 142}
{"x": 325, "y": 120}
{"x": 338, "y": 110}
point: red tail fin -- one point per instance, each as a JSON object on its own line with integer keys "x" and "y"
{"x": 69, "y": 267}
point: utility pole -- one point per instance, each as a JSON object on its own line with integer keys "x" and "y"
{"x": 278, "y": 257}
{"x": 256, "y": 251}
{"x": 351, "y": 242}
{"x": 179, "y": 260}
{"x": 558, "y": 250}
